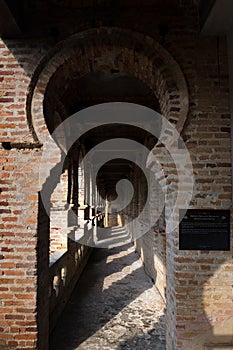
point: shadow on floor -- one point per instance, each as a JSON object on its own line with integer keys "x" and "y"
{"x": 154, "y": 339}
{"x": 113, "y": 306}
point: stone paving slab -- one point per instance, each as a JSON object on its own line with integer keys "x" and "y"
{"x": 114, "y": 306}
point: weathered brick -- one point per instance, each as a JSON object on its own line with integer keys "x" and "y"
{"x": 207, "y": 129}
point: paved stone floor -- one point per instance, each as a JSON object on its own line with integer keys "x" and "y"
{"x": 114, "y": 306}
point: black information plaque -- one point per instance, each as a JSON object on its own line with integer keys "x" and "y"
{"x": 204, "y": 229}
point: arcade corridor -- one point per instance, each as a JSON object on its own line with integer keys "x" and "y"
{"x": 114, "y": 306}
{"x": 116, "y": 121}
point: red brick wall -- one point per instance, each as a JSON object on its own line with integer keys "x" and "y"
{"x": 19, "y": 210}
{"x": 196, "y": 298}
{"x": 58, "y": 215}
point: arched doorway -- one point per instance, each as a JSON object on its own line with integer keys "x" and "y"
{"x": 115, "y": 58}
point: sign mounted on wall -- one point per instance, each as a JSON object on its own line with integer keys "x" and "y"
{"x": 204, "y": 229}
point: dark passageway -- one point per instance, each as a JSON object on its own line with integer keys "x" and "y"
{"x": 113, "y": 306}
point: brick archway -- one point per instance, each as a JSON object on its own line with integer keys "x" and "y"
{"x": 111, "y": 48}
{"x": 106, "y": 49}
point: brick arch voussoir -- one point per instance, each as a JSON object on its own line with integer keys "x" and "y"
{"x": 125, "y": 50}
